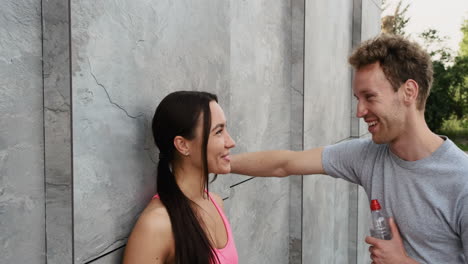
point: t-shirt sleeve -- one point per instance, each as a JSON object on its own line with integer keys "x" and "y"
{"x": 346, "y": 159}
{"x": 463, "y": 222}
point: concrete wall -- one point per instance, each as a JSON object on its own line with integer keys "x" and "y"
{"x": 57, "y": 128}
{"x": 260, "y": 62}
{"x": 327, "y": 98}
{"x": 279, "y": 69}
{"x": 22, "y": 213}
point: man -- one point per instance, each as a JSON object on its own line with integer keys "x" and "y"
{"x": 420, "y": 178}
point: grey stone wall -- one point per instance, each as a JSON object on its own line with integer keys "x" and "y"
{"x": 327, "y": 97}
{"x": 81, "y": 120}
{"x": 260, "y": 63}
{"x": 57, "y": 128}
{"x": 22, "y": 213}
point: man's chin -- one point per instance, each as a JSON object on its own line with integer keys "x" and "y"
{"x": 378, "y": 140}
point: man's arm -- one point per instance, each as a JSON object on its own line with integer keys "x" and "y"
{"x": 278, "y": 163}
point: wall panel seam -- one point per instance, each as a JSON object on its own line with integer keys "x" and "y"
{"x": 43, "y": 132}
{"x": 71, "y": 132}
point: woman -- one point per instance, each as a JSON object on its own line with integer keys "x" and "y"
{"x": 184, "y": 223}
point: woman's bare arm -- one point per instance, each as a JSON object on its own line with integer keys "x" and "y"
{"x": 151, "y": 241}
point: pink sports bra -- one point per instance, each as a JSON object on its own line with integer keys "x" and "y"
{"x": 228, "y": 254}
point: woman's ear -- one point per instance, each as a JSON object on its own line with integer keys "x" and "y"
{"x": 410, "y": 91}
{"x": 182, "y": 145}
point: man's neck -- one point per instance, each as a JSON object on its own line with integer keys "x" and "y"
{"x": 416, "y": 142}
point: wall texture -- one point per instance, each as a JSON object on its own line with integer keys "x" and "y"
{"x": 82, "y": 120}
{"x": 260, "y": 63}
{"x": 22, "y": 213}
{"x": 57, "y": 131}
{"x": 327, "y": 98}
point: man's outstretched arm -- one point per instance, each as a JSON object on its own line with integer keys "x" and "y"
{"x": 278, "y": 163}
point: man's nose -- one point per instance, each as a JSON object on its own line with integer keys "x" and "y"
{"x": 361, "y": 110}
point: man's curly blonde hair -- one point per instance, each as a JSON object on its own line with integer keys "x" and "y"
{"x": 400, "y": 60}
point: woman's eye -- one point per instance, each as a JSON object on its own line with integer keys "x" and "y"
{"x": 219, "y": 132}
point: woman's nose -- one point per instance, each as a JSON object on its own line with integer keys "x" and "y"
{"x": 230, "y": 143}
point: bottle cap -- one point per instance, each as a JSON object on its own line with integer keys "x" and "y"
{"x": 374, "y": 205}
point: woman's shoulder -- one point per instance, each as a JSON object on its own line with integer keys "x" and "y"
{"x": 151, "y": 237}
{"x": 154, "y": 221}
{"x": 155, "y": 216}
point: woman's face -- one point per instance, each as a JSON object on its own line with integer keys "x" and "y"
{"x": 219, "y": 141}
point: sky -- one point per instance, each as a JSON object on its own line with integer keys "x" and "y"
{"x": 446, "y": 16}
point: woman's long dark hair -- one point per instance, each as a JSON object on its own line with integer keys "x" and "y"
{"x": 177, "y": 115}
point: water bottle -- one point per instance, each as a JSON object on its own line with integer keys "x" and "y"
{"x": 379, "y": 225}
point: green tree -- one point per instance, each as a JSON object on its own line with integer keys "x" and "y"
{"x": 449, "y": 93}
{"x": 464, "y": 42}
{"x": 435, "y": 46}
{"x": 396, "y": 23}
{"x": 460, "y": 69}
{"x": 401, "y": 20}
{"x": 440, "y": 104}
{"x": 459, "y": 74}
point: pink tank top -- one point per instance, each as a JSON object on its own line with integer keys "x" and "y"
{"x": 228, "y": 254}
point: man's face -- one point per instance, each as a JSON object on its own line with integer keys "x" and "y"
{"x": 378, "y": 104}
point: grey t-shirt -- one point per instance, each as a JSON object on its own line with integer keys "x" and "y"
{"x": 427, "y": 198}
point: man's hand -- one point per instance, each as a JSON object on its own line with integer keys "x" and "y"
{"x": 388, "y": 251}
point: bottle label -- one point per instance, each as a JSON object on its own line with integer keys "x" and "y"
{"x": 381, "y": 229}
{"x": 380, "y": 223}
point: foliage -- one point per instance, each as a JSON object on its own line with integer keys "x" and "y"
{"x": 396, "y": 23}
{"x": 457, "y": 131}
{"x": 459, "y": 75}
{"x": 435, "y": 46}
{"x": 463, "y": 147}
{"x": 440, "y": 102}
{"x": 464, "y": 42}
{"x": 460, "y": 68}
{"x": 456, "y": 126}
{"x": 449, "y": 93}
{"x": 401, "y": 20}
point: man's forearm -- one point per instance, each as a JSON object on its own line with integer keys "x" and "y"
{"x": 266, "y": 163}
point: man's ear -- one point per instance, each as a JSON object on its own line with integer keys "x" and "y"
{"x": 410, "y": 91}
{"x": 182, "y": 145}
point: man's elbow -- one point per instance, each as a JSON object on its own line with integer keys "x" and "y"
{"x": 280, "y": 172}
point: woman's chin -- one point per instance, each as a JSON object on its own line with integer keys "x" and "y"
{"x": 222, "y": 170}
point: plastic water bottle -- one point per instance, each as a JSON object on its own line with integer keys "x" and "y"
{"x": 379, "y": 226}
